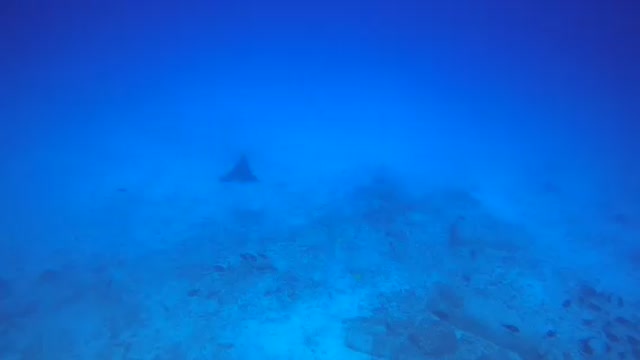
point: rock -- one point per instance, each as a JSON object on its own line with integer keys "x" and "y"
{"x": 388, "y": 339}
{"x": 496, "y": 355}
{"x": 370, "y": 337}
{"x": 434, "y": 338}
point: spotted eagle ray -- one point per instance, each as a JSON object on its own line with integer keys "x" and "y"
{"x": 240, "y": 173}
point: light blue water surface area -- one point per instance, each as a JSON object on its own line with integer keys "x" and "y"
{"x": 311, "y": 180}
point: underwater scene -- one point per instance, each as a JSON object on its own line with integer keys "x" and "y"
{"x": 315, "y": 180}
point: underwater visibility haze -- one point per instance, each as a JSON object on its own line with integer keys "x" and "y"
{"x": 316, "y": 180}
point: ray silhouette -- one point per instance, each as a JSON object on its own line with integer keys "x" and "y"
{"x": 240, "y": 173}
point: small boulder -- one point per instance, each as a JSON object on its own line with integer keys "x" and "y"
{"x": 434, "y": 338}
{"x": 369, "y": 336}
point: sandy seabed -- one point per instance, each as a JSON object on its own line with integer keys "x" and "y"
{"x": 374, "y": 271}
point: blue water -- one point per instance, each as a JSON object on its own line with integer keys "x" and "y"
{"x": 437, "y": 180}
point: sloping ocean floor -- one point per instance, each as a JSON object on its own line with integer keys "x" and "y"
{"x": 375, "y": 272}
